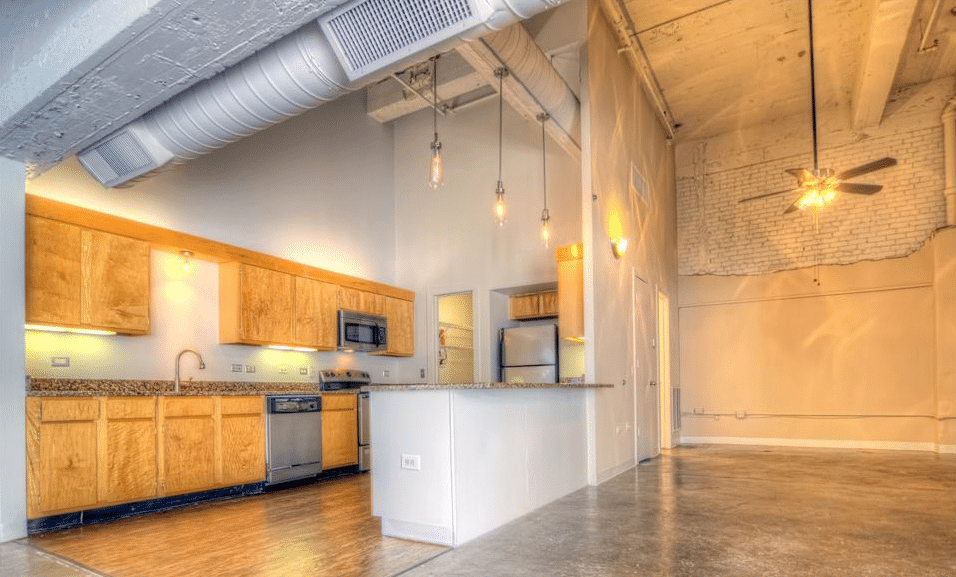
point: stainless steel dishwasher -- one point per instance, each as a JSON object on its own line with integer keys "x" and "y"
{"x": 293, "y": 437}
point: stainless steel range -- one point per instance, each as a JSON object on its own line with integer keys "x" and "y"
{"x": 293, "y": 437}
{"x": 349, "y": 379}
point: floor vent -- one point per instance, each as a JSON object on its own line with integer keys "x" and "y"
{"x": 370, "y": 34}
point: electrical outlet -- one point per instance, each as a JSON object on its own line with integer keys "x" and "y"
{"x": 237, "y": 368}
{"x": 423, "y": 373}
{"x": 698, "y": 410}
{"x": 59, "y": 361}
{"x": 283, "y": 370}
{"x": 303, "y": 371}
{"x": 412, "y": 462}
{"x": 386, "y": 373}
{"x": 250, "y": 368}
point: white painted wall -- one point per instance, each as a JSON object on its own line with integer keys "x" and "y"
{"x": 487, "y": 457}
{"x": 447, "y": 240}
{"x": 622, "y": 130}
{"x": 13, "y": 491}
{"x": 316, "y": 190}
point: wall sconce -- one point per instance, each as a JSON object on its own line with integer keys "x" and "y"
{"x": 618, "y": 246}
{"x": 186, "y": 254}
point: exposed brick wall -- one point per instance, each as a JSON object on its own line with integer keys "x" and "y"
{"x": 718, "y": 235}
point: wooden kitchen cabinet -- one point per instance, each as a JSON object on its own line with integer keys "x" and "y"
{"x": 316, "y": 319}
{"x": 61, "y": 454}
{"x": 362, "y": 301}
{"x": 339, "y": 430}
{"x": 128, "y": 462}
{"x": 243, "y": 440}
{"x": 540, "y": 305}
{"x": 85, "y": 279}
{"x": 571, "y": 292}
{"x": 188, "y": 441}
{"x": 255, "y": 305}
{"x": 401, "y": 328}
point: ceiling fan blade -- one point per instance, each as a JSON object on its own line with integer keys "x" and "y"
{"x": 759, "y": 196}
{"x": 800, "y": 173}
{"x": 867, "y": 168}
{"x": 793, "y": 207}
{"x": 855, "y": 188}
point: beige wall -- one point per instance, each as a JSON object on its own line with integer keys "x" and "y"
{"x": 620, "y": 128}
{"x": 848, "y": 359}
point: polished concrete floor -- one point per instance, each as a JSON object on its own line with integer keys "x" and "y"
{"x": 695, "y": 511}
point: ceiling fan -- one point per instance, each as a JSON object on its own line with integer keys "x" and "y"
{"x": 820, "y": 186}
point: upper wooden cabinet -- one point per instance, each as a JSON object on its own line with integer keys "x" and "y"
{"x": 255, "y": 305}
{"x": 541, "y": 305}
{"x": 85, "y": 279}
{"x": 401, "y": 328}
{"x": 571, "y": 292}
{"x": 362, "y": 301}
{"x": 316, "y": 322}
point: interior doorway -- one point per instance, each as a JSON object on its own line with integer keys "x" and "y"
{"x": 646, "y": 402}
{"x": 669, "y": 397}
{"x": 456, "y": 338}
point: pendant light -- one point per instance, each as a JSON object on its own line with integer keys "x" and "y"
{"x": 545, "y": 215}
{"x": 500, "y": 212}
{"x": 436, "y": 173}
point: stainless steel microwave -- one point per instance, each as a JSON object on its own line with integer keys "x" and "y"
{"x": 362, "y": 332}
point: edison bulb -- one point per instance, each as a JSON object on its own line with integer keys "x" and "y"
{"x": 545, "y": 228}
{"x": 436, "y": 174}
{"x": 500, "y": 211}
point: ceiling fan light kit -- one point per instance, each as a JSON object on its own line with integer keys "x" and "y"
{"x": 819, "y": 187}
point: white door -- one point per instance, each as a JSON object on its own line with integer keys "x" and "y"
{"x": 646, "y": 396}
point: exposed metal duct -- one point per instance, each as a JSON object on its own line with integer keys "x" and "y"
{"x": 300, "y": 72}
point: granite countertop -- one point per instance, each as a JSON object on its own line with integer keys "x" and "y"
{"x": 503, "y": 386}
{"x": 108, "y": 387}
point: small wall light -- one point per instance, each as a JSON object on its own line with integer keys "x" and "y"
{"x": 186, "y": 254}
{"x": 618, "y": 246}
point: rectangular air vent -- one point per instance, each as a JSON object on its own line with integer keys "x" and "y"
{"x": 124, "y": 155}
{"x": 368, "y": 35}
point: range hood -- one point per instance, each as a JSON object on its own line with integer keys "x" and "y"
{"x": 343, "y": 50}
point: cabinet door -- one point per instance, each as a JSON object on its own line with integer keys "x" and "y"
{"x": 243, "y": 440}
{"x": 525, "y": 306}
{"x": 361, "y": 301}
{"x": 571, "y": 292}
{"x": 128, "y": 469}
{"x": 548, "y": 305}
{"x": 53, "y": 274}
{"x": 255, "y": 305}
{"x": 339, "y": 435}
{"x": 115, "y": 285}
{"x": 316, "y": 321}
{"x": 61, "y": 454}
{"x": 401, "y": 327}
{"x": 188, "y": 444}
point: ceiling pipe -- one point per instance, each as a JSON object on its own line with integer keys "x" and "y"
{"x": 949, "y": 160}
{"x": 354, "y": 44}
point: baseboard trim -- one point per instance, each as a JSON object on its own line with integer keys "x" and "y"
{"x": 418, "y": 532}
{"x": 815, "y": 443}
{"x": 608, "y": 474}
{"x": 124, "y": 510}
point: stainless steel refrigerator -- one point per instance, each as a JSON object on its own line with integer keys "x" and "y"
{"x": 529, "y": 354}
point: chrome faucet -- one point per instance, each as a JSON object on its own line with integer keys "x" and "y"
{"x": 202, "y": 365}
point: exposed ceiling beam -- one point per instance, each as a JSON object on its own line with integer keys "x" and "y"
{"x": 883, "y": 49}
{"x": 619, "y": 18}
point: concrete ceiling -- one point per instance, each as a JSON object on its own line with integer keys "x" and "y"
{"x": 723, "y": 65}
{"x": 70, "y": 76}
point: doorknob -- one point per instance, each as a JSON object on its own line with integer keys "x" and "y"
{"x": 653, "y": 384}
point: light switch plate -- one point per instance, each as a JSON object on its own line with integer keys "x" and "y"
{"x": 237, "y": 368}
{"x": 303, "y": 371}
{"x": 59, "y": 361}
{"x": 250, "y": 368}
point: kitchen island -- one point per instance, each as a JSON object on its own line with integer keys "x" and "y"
{"x": 451, "y": 462}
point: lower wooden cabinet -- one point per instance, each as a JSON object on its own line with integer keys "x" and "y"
{"x": 339, "y": 431}
{"x": 87, "y": 452}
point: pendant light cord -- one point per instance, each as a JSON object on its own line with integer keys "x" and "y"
{"x": 501, "y": 99}
{"x": 813, "y": 89}
{"x": 544, "y": 161}
{"x": 435, "y": 95}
